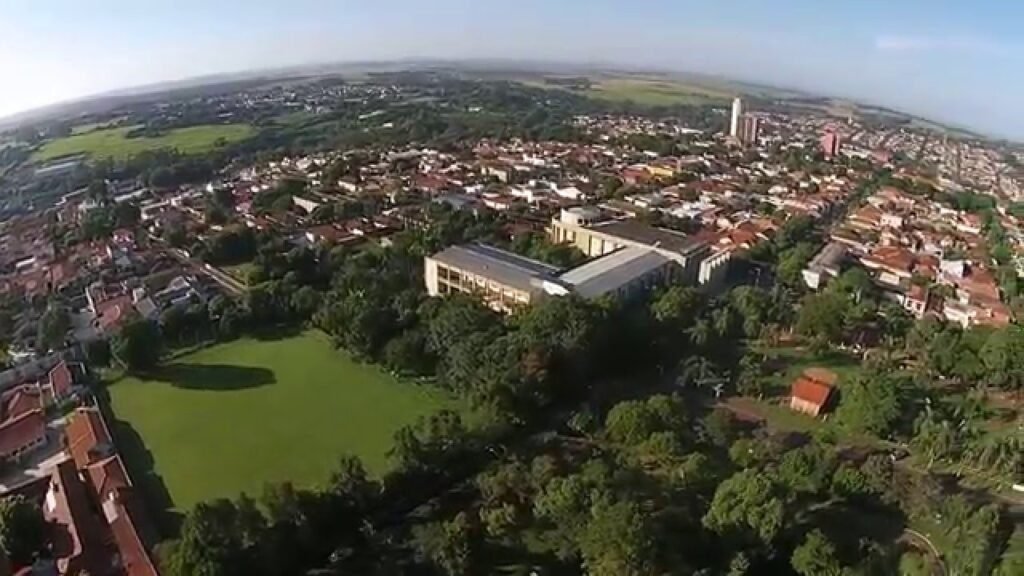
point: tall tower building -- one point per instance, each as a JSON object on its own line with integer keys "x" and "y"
{"x": 831, "y": 142}
{"x": 737, "y": 114}
{"x": 750, "y": 129}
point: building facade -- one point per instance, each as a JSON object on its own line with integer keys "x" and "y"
{"x": 831, "y": 143}
{"x": 750, "y": 130}
{"x": 734, "y": 120}
{"x": 583, "y": 228}
{"x": 502, "y": 280}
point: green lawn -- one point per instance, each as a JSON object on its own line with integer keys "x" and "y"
{"x": 112, "y": 142}
{"x": 788, "y": 363}
{"x": 232, "y": 417}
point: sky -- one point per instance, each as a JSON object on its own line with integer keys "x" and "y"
{"x": 960, "y": 61}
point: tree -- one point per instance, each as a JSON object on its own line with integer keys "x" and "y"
{"x": 22, "y": 530}
{"x": 448, "y": 545}
{"x": 747, "y": 504}
{"x": 1003, "y": 358}
{"x": 126, "y": 215}
{"x": 816, "y": 556}
{"x": 823, "y": 315}
{"x": 97, "y": 223}
{"x": 139, "y": 345}
{"x": 875, "y": 403}
{"x": 98, "y": 353}
{"x": 722, "y": 427}
{"x": 350, "y": 484}
{"x": 305, "y": 301}
{"x": 408, "y": 354}
{"x": 793, "y": 261}
{"x": 617, "y": 541}
{"x": 633, "y": 422}
{"x": 807, "y": 469}
{"x": 53, "y": 327}
{"x": 213, "y": 542}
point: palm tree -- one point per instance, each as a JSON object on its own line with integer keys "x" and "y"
{"x": 698, "y": 371}
{"x": 701, "y": 332}
{"x": 722, "y": 321}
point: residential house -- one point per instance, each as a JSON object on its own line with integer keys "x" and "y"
{"x": 811, "y": 393}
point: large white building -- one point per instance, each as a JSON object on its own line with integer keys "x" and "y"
{"x": 737, "y": 115}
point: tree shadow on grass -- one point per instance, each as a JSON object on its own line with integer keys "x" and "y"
{"x": 216, "y": 377}
{"x": 278, "y": 332}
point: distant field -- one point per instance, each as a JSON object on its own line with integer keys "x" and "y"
{"x": 93, "y": 126}
{"x": 232, "y": 417}
{"x": 656, "y": 92}
{"x": 112, "y": 143}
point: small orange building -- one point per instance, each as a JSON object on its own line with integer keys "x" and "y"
{"x": 812, "y": 392}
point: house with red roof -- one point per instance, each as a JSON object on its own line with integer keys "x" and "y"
{"x": 87, "y": 437}
{"x": 811, "y": 393}
{"x": 22, "y": 435}
{"x": 58, "y": 385}
{"x": 124, "y": 535}
{"x": 78, "y": 541}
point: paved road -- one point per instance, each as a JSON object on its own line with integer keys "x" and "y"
{"x": 225, "y": 281}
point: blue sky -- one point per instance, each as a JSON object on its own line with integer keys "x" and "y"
{"x": 957, "y": 61}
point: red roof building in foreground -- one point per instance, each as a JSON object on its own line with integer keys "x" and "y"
{"x": 120, "y": 513}
{"x": 78, "y": 541}
{"x": 20, "y": 436}
{"x": 59, "y": 383}
{"x": 88, "y": 439}
{"x": 810, "y": 395}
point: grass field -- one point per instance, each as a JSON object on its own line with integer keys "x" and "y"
{"x": 789, "y": 363}
{"x": 232, "y": 417}
{"x": 657, "y": 92}
{"x": 112, "y": 143}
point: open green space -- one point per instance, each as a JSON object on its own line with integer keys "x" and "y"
{"x": 114, "y": 143}
{"x": 230, "y": 418}
{"x": 788, "y": 363}
{"x": 657, "y": 92}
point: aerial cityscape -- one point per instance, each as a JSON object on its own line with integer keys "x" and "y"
{"x": 457, "y": 317}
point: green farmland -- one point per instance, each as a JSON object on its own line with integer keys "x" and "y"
{"x": 114, "y": 143}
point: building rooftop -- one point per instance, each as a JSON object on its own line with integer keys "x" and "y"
{"x": 499, "y": 265}
{"x": 87, "y": 436}
{"x": 811, "y": 390}
{"x": 831, "y": 256}
{"x": 18, "y": 432}
{"x": 640, "y": 233}
{"x": 613, "y": 271}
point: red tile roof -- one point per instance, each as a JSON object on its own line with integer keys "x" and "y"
{"x": 87, "y": 436}
{"x": 61, "y": 380}
{"x": 20, "y": 401}
{"x": 810, "y": 390}
{"x": 130, "y": 537}
{"x": 108, "y": 476}
{"x": 17, "y": 433}
{"x": 109, "y": 314}
{"x": 77, "y": 532}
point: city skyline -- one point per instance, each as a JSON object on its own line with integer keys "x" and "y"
{"x": 940, "y": 60}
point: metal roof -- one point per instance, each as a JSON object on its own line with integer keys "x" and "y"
{"x": 498, "y": 265}
{"x": 613, "y": 271}
{"x": 639, "y": 233}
